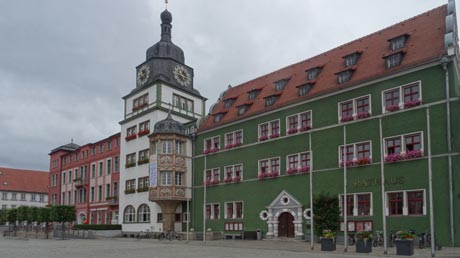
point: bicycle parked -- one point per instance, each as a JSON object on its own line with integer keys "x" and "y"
{"x": 425, "y": 241}
{"x": 171, "y": 236}
{"x": 378, "y": 239}
{"x": 351, "y": 239}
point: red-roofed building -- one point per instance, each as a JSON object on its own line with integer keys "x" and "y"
{"x": 374, "y": 122}
{"x": 20, "y": 187}
{"x": 88, "y": 177}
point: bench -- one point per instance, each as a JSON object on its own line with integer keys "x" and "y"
{"x": 233, "y": 236}
{"x": 250, "y": 235}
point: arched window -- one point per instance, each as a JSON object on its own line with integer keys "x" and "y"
{"x": 130, "y": 214}
{"x": 143, "y": 213}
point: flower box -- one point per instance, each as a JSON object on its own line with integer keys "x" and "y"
{"x": 412, "y": 103}
{"x": 263, "y": 138}
{"x": 413, "y": 154}
{"x": 348, "y": 163}
{"x": 215, "y": 181}
{"x": 207, "y": 182}
{"x": 394, "y": 157}
{"x": 305, "y": 169}
{"x": 275, "y": 135}
{"x": 305, "y": 128}
{"x": 142, "y": 133}
{"x": 263, "y": 175}
{"x": 130, "y": 137}
{"x": 346, "y": 119}
{"x": 128, "y": 165}
{"x": 392, "y": 108}
{"x": 363, "y": 161}
{"x": 364, "y": 245}
{"x": 292, "y": 131}
{"x": 144, "y": 189}
{"x": 328, "y": 244}
{"x": 143, "y": 161}
{"x": 362, "y": 115}
{"x": 228, "y": 180}
{"x": 291, "y": 171}
{"x": 209, "y": 151}
{"x": 237, "y": 144}
{"x": 237, "y": 179}
{"x": 404, "y": 246}
{"x": 139, "y": 107}
{"x": 130, "y": 191}
{"x": 274, "y": 174}
{"x": 228, "y": 146}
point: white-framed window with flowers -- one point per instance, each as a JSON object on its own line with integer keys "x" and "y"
{"x": 213, "y": 211}
{"x": 211, "y": 145}
{"x": 298, "y": 163}
{"x": 355, "y": 154}
{"x": 403, "y": 147}
{"x": 269, "y": 168}
{"x": 144, "y": 128}
{"x": 358, "y": 204}
{"x": 131, "y": 133}
{"x": 269, "y": 129}
{"x": 354, "y": 109}
{"x": 406, "y": 202}
{"x": 298, "y": 122}
{"x": 212, "y": 176}
{"x": 402, "y": 97}
{"x": 233, "y": 173}
{"x": 233, "y": 139}
{"x": 233, "y": 210}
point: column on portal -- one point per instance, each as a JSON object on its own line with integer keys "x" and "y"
{"x": 275, "y": 228}
{"x": 270, "y": 224}
{"x": 298, "y": 224}
{"x": 168, "y": 208}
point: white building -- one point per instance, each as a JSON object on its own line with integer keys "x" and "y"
{"x": 19, "y": 187}
{"x": 164, "y": 84}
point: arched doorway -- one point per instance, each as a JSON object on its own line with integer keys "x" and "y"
{"x": 286, "y": 225}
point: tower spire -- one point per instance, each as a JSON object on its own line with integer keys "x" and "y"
{"x": 166, "y": 4}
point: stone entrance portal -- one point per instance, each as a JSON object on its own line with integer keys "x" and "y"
{"x": 284, "y": 217}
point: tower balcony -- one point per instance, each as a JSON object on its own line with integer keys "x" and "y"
{"x": 168, "y": 193}
{"x": 80, "y": 182}
{"x": 112, "y": 200}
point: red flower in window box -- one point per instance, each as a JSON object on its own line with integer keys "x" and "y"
{"x": 263, "y": 138}
{"x": 130, "y": 137}
{"x": 215, "y": 181}
{"x": 142, "y": 133}
{"x": 413, "y": 154}
{"x": 237, "y": 144}
{"x": 364, "y": 161}
{"x": 262, "y": 175}
{"x": 412, "y": 103}
{"x": 305, "y": 128}
{"x": 209, "y": 151}
{"x": 228, "y": 180}
{"x": 207, "y": 182}
{"x": 346, "y": 118}
{"x": 228, "y": 146}
{"x": 349, "y": 163}
{"x": 292, "y": 131}
{"x": 274, "y": 174}
{"x": 392, "y": 108}
{"x": 362, "y": 115}
{"x": 237, "y": 179}
{"x": 291, "y": 171}
{"x": 394, "y": 157}
{"x": 304, "y": 169}
{"x": 275, "y": 135}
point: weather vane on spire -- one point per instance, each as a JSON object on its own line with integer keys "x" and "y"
{"x": 166, "y": 3}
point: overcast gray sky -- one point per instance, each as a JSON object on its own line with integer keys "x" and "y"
{"x": 64, "y": 65}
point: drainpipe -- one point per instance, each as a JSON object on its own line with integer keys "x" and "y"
{"x": 430, "y": 181}
{"x": 382, "y": 179}
{"x": 311, "y": 193}
{"x": 204, "y": 202}
{"x": 444, "y": 62}
{"x": 344, "y": 161}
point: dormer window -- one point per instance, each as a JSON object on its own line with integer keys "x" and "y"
{"x": 398, "y": 42}
{"x": 393, "y": 60}
{"x": 352, "y": 59}
{"x": 313, "y": 73}
{"x": 344, "y": 76}
{"x": 253, "y": 94}
{"x": 218, "y": 117}
{"x": 279, "y": 85}
{"x": 270, "y": 100}
{"x": 242, "y": 109}
{"x": 304, "y": 89}
{"x": 229, "y": 102}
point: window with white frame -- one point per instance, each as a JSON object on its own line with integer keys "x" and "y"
{"x": 179, "y": 178}
{"x": 212, "y": 176}
{"x": 143, "y": 213}
{"x": 179, "y": 147}
{"x": 182, "y": 103}
{"x": 253, "y": 94}
{"x": 213, "y": 211}
{"x": 166, "y": 178}
{"x": 270, "y": 100}
{"x": 298, "y": 122}
{"x": 352, "y": 109}
{"x": 212, "y": 144}
{"x": 407, "y": 146}
{"x": 129, "y": 214}
{"x": 313, "y": 73}
{"x": 402, "y": 97}
{"x": 393, "y": 60}
{"x": 234, "y": 210}
{"x": 229, "y": 102}
{"x": 243, "y": 108}
{"x": 406, "y": 203}
{"x": 279, "y": 85}
{"x": 131, "y": 132}
{"x": 398, "y": 42}
{"x": 144, "y": 128}
{"x": 358, "y": 204}
{"x": 344, "y": 76}
{"x": 233, "y": 173}
{"x": 352, "y": 59}
{"x": 355, "y": 154}
{"x": 269, "y": 130}
{"x": 144, "y": 156}
{"x": 271, "y": 165}
{"x": 298, "y": 162}
{"x": 130, "y": 184}
{"x": 166, "y": 146}
{"x": 233, "y": 139}
{"x": 304, "y": 89}
{"x": 140, "y": 102}
{"x": 142, "y": 183}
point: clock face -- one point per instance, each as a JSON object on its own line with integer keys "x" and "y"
{"x": 182, "y": 75}
{"x": 143, "y": 74}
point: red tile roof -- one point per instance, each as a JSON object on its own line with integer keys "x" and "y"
{"x": 425, "y": 42}
{"x": 21, "y": 180}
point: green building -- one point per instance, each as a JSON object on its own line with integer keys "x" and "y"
{"x": 375, "y": 120}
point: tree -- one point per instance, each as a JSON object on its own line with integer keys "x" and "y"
{"x": 11, "y": 217}
{"x": 62, "y": 214}
{"x": 23, "y": 216}
{"x": 326, "y": 213}
{"x": 44, "y": 216}
{"x": 33, "y": 217}
{"x": 2, "y": 216}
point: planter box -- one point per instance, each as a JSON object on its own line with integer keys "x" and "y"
{"x": 327, "y": 244}
{"x": 404, "y": 247}
{"x": 364, "y": 246}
